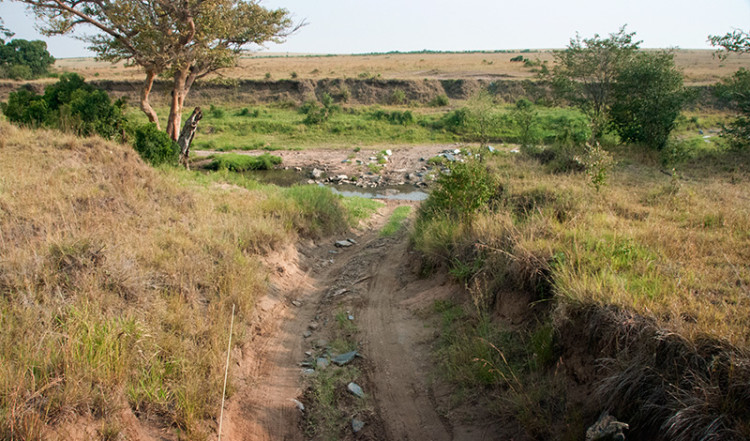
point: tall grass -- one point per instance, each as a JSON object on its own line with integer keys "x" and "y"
{"x": 667, "y": 254}
{"x": 116, "y": 280}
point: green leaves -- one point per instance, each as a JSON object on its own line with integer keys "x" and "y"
{"x": 647, "y": 98}
{"x": 585, "y": 72}
{"x": 23, "y": 59}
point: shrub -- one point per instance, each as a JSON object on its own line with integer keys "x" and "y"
{"x": 25, "y": 107}
{"x": 319, "y": 112}
{"x": 155, "y": 146}
{"x": 17, "y": 72}
{"x": 648, "y": 97}
{"x": 455, "y": 121}
{"x": 524, "y": 117}
{"x": 321, "y": 211}
{"x": 597, "y": 162}
{"x": 736, "y": 91}
{"x": 394, "y": 117}
{"x": 467, "y": 188}
{"x": 439, "y": 101}
{"x": 70, "y": 104}
{"x": 398, "y": 96}
{"x": 216, "y": 112}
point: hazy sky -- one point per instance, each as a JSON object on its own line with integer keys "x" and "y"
{"x": 357, "y": 26}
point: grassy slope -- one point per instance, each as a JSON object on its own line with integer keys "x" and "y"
{"x": 651, "y": 274}
{"x": 117, "y": 280}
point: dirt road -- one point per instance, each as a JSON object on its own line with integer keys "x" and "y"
{"x": 374, "y": 282}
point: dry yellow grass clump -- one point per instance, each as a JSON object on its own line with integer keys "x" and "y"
{"x": 673, "y": 248}
{"x": 117, "y": 282}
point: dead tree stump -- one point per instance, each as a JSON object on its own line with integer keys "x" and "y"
{"x": 187, "y": 134}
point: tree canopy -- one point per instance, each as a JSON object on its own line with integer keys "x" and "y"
{"x": 648, "y": 96}
{"x": 584, "y": 73}
{"x": 735, "y": 41}
{"x": 185, "y": 40}
{"x": 23, "y": 59}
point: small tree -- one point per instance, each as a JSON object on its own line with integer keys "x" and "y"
{"x": 481, "y": 118}
{"x": 648, "y": 96}
{"x": 524, "y": 117}
{"x": 185, "y": 40}
{"x": 584, "y": 73}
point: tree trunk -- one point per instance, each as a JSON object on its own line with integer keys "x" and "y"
{"x": 175, "y": 108}
{"x": 145, "y": 105}
{"x": 187, "y": 134}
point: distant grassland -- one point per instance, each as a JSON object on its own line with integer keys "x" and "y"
{"x": 700, "y": 66}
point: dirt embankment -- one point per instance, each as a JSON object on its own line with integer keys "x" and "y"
{"x": 352, "y": 91}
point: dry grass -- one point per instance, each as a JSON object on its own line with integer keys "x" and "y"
{"x": 117, "y": 281}
{"x": 659, "y": 265}
{"x": 700, "y": 66}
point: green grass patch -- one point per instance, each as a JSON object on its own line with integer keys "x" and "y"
{"x": 360, "y": 208}
{"x": 396, "y": 221}
{"x": 321, "y": 212}
{"x": 241, "y": 163}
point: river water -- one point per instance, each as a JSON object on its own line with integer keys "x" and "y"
{"x": 287, "y": 178}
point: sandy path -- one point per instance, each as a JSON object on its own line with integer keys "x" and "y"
{"x": 383, "y": 293}
{"x": 396, "y": 341}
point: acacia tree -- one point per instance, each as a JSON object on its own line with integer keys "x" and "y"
{"x": 5, "y": 32}
{"x": 735, "y": 41}
{"x": 585, "y": 72}
{"x": 185, "y": 40}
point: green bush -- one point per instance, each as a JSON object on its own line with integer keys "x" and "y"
{"x": 455, "y": 121}
{"x": 398, "y": 96}
{"x": 648, "y": 97}
{"x": 467, "y": 188}
{"x": 22, "y": 59}
{"x": 16, "y": 72}
{"x": 318, "y": 113}
{"x": 25, "y": 107}
{"x": 524, "y": 117}
{"x": 439, "y": 101}
{"x": 155, "y": 146}
{"x": 216, "y": 112}
{"x": 70, "y": 104}
{"x": 736, "y": 92}
{"x": 394, "y": 117}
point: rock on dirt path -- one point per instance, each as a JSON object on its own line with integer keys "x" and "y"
{"x": 373, "y": 280}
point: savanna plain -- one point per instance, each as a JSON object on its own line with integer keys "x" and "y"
{"x": 552, "y": 280}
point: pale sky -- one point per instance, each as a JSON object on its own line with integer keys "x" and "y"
{"x": 359, "y": 26}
